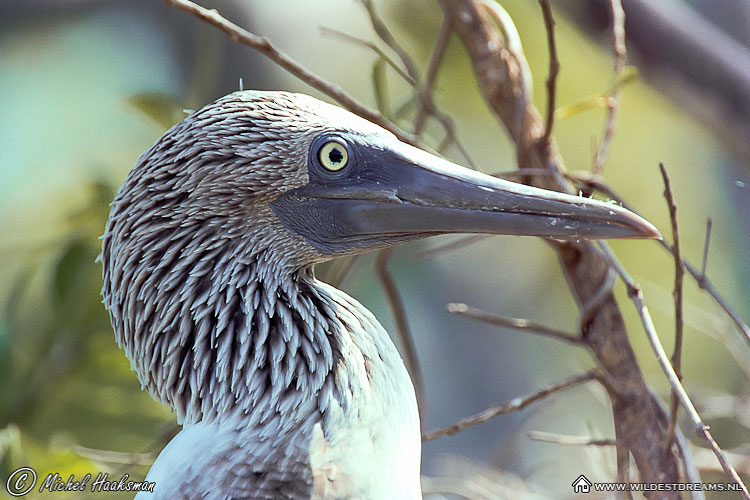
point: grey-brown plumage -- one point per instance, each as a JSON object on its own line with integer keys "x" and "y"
{"x": 285, "y": 386}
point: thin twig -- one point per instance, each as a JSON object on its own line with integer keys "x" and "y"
{"x": 551, "y": 437}
{"x": 425, "y": 91}
{"x": 700, "y": 277}
{"x": 505, "y": 408}
{"x": 324, "y": 30}
{"x": 515, "y": 323}
{"x": 265, "y": 47}
{"x": 677, "y": 293}
{"x": 424, "y": 99}
{"x": 706, "y": 241}
{"x": 454, "y": 244}
{"x": 384, "y": 34}
{"x": 402, "y": 325}
{"x": 691, "y": 471}
{"x": 554, "y": 69}
{"x": 613, "y": 102}
{"x": 705, "y": 284}
{"x": 636, "y": 295}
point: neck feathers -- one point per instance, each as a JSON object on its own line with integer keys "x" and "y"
{"x": 215, "y": 327}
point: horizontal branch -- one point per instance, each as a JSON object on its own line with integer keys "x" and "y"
{"x": 505, "y": 408}
{"x": 515, "y": 323}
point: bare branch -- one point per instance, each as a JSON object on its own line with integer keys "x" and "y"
{"x": 265, "y": 47}
{"x": 705, "y": 284}
{"x": 554, "y": 69}
{"x": 425, "y": 91}
{"x": 402, "y": 325}
{"x": 678, "y": 279}
{"x": 502, "y": 79}
{"x": 699, "y": 276}
{"x": 505, "y": 408}
{"x": 515, "y": 323}
{"x": 551, "y": 437}
{"x": 384, "y": 34}
{"x": 613, "y": 101}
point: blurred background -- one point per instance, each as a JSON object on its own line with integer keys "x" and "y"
{"x": 87, "y": 86}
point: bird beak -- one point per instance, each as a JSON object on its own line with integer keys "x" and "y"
{"x": 404, "y": 191}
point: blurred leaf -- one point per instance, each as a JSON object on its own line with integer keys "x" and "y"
{"x": 163, "y": 108}
{"x": 628, "y": 75}
{"x": 68, "y": 271}
{"x": 580, "y": 106}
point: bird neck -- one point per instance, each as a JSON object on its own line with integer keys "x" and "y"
{"x": 230, "y": 328}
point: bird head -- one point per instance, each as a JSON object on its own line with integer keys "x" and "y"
{"x": 330, "y": 183}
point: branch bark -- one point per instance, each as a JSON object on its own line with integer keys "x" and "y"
{"x": 496, "y": 69}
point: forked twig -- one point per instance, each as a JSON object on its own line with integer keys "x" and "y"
{"x": 505, "y": 408}
{"x": 700, "y": 277}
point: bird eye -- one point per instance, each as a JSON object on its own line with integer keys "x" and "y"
{"x": 333, "y": 156}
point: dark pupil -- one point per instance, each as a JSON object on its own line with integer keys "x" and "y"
{"x": 336, "y": 156}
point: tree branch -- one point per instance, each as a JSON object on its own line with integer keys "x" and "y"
{"x": 516, "y": 323}
{"x": 265, "y": 47}
{"x": 499, "y": 74}
{"x": 554, "y": 69}
{"x": 677, "y": 293}
{"x": 505, "y": 408}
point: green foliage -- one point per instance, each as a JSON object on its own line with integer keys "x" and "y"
{"x": 64, "y": 381}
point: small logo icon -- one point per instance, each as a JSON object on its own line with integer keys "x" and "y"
{"x": 581, "y": 485}
{"x": 21, "y": 481}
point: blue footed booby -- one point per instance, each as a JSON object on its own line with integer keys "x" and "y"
{"x": 286, "y": 387}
